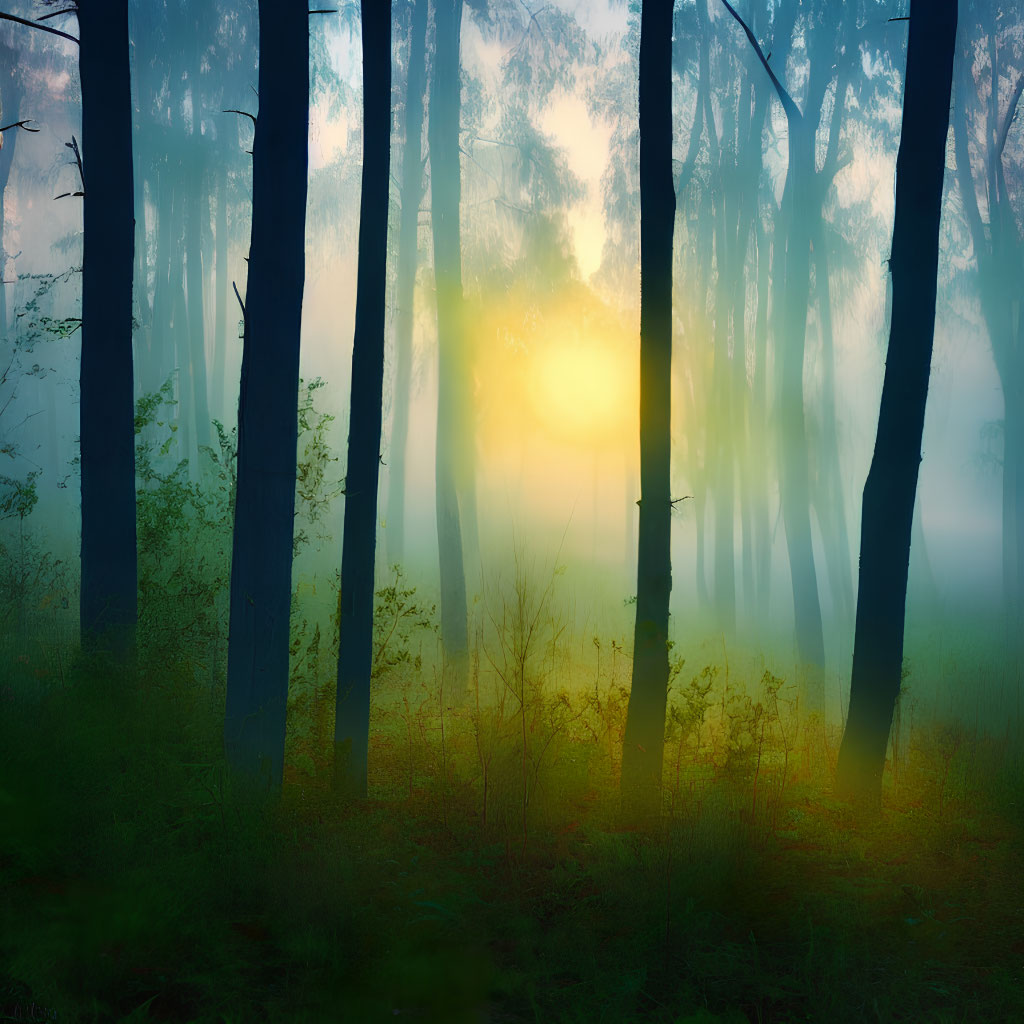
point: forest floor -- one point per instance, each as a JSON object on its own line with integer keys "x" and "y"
{"x": 487, "y": 878}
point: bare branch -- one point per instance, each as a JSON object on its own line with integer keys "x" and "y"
{"x": 56, "y": 14}
{"x": 788, "y": 104}
{"x": 73, "y": 146}
{"x": 1011, "y": 113}
{"x": 240, "y": 302}
{"x": 243, "y": 113}
{"x": 24, "y": 125}
{"x": 35, "y": 24}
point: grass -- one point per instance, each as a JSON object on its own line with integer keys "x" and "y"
{"x": 487, "y": 878}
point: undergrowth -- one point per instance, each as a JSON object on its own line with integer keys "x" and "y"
{"x": 488, "y": 877}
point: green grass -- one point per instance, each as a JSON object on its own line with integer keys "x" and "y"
{"x": 134, "y": 886}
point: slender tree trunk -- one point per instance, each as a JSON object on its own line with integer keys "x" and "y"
{"x": 891, "y": 485}
{"x": 196, "y": 367}
{"x": 445, "y": 198}
{"x": 721, "y": 422}
{"x": 999, "y": 252}
{"x": 159, "y": 364}
{"x": 408, "y": 246}
{"x": 830, "y": 500}
{"x": 261, "y": 564}
{"x": 109, "y": 592}
{"x": 762, "y": 537}
{"x": 355, "y": 655}
{"x": 10, "y": 107}
{"x": 218, "y": 387}
{"x": 643, "y": 745}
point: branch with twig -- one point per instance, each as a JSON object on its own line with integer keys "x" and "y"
{"x": 788, "y": 103}
{"x": 23, "y": 125}
{"x": 36, "y": 24}
{"x": 240, "y": 302}
{"x": 73, "y": 146}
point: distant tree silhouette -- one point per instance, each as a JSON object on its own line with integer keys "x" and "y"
{"x": 643, "y": 746}
{"x": 445, "y": 197}
{"x": 793, "y": 282}
{"x": 261, "y": 564}
{"x": 11, "y": 94}
{"x": 408, "y": 250}
{"x": 888, "y": 508}
{"x": 355, "y": 654}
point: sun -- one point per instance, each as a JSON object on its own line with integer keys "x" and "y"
{"x": 582, "y": 393}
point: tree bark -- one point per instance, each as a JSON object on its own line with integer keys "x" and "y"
{"x": 643, "y": 745}
{"x": 891, "y": 485}
{"x": 355, "y": 655}
{"x": 257, "y": 687}
{"x": 109, "y": 590}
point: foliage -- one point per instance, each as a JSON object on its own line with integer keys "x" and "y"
{"x": 179, "y": 901}
{"x": 185, "y": 521}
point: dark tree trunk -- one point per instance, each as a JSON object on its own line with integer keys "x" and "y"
{"x": 643, "y": 746}
{"x": 889, "y": 492}
{"x": 445, "y": 197}
{"x": 355, "y": 655}
{"x": 254, "y": 726}
{"x": 109, "y": 594}
{"x": 408, "y": 246}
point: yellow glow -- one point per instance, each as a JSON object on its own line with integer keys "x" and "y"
{"x": 559, "y": 371}
{"x": 581, "y": 392}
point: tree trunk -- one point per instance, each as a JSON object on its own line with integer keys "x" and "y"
{"x": 762, "y": 535}
{"x": 891, "y": 485}
{"x": 10, "y": 106}
{"x": 830, "y": 500}
{"x": 355, "y": 655}
{"x": 218, "y": 386}
{"x": 445, "y": 197}
{"x": 196, "y": 366}
{"x": 408, "y": 250}
{"x": 109, "y": 592}
{"x": 643, "y": 745}
{"x": 261, "y": 564}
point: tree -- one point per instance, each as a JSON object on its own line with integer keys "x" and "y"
{"x": 794, "y": 481}
{"x": 983, "y": 118}
{"x": 408, "y": 248}
{"x": 452, "y": 425}
{"x": 643, "y": 745}
{"x": 355, "y": 653}
{"x": 108, "y": 606}
{"x": 109, "y": 596}
{"x": 888, "y": 508}
{"x": 11, "y": 95}
{"x": 257, "y": 685}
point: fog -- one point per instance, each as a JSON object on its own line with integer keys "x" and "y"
{"x": 550, "y": 263}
